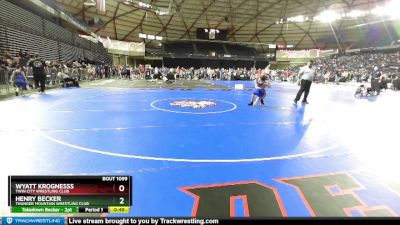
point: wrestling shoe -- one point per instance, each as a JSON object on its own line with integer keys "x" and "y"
{"x": 262, "y": 101}
{"x": 251, "y": 103}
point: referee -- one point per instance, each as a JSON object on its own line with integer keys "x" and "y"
{"x": 307, "y": 76}
{"x": 39, "y": 73}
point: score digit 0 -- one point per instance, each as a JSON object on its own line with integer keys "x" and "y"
{"x": 121, "y": 188}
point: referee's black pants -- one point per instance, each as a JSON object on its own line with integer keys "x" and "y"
{"x": 376, "y": 86}
{"x": 305, "y": 86}
{"x": 40, "y": 79}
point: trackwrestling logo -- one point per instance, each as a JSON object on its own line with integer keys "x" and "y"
{"x": 33, "y": 220}
{"x": 193, "y": 104}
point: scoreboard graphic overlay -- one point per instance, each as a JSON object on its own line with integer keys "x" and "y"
{"x": 70, "y": 194}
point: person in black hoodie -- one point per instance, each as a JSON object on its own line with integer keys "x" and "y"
{"x": 39, "y": 73}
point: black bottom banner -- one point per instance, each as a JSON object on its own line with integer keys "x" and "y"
{"x": 208, "y": 221}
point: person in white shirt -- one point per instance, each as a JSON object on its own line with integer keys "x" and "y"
{"x": 307, "y": 76}
{"x": 91, "y": 73}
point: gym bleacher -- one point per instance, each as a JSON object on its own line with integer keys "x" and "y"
{"x": 179, "y": 48}
{"x": 206, "y": 48}
{"x": 238, "y": 50}
{"x": 23, "y": 30}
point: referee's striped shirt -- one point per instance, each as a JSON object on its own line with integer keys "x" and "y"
{"x": 308, "y": 74}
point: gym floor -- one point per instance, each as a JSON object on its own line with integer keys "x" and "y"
{"x": 337, "y": 156}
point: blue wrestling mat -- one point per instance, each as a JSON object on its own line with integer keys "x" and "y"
{"x": 207, "y": 153}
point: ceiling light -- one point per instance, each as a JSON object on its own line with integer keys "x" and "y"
{"x": 355, "y": 14}
{"x": 162, "y": 12}
{"x": 142, "y": 35}
{"x": 328, "y": 16}
{"x": 144, "y": 5}
{"x": 298, "y": 19}
{"x": 390, "y": 9}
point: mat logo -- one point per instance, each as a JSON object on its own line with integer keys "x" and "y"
{"x": 9, "y": 220}
{"x": 193, "y": 104}
{"x": 327, "y": 195}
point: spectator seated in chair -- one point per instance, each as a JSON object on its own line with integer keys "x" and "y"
{"x": 170, "y": 78}
{"x": 68, "y": 81}
{"x": 157, "y": 76}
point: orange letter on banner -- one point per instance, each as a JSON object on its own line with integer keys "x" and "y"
{"x": 217, "y": 200}
{"x": 334, "y": 195}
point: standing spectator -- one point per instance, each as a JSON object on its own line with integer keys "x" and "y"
{"x": 53, "y": 73}
{"x": 75, "y": 73}
{"x": 142, "y": 71}
{"x": 20, "y": 54}
{"x": 123, "y": 71}
{"x": 102, "y": 71}
{"x": 383, "y": 83}
{"x": 118, "y": 71}
{"x": 327, "y": 76}
{"x": 39, "y": 74}
{"x": 3, "y": 62}
{"x": 7, "y": 55}
{"x": 106, "y": 71}
{"x": 91, "y": 73}
{"x": 78, "y": 68}
{"x": 98, "y": 72}
{"x": 375, "y": 77}
{"x": 128, "y": 72}
{"x": 396, "y": 83}
{"x": 307, "y": 76}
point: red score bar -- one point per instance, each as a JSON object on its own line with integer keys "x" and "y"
{"x": 101, "y": 189}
